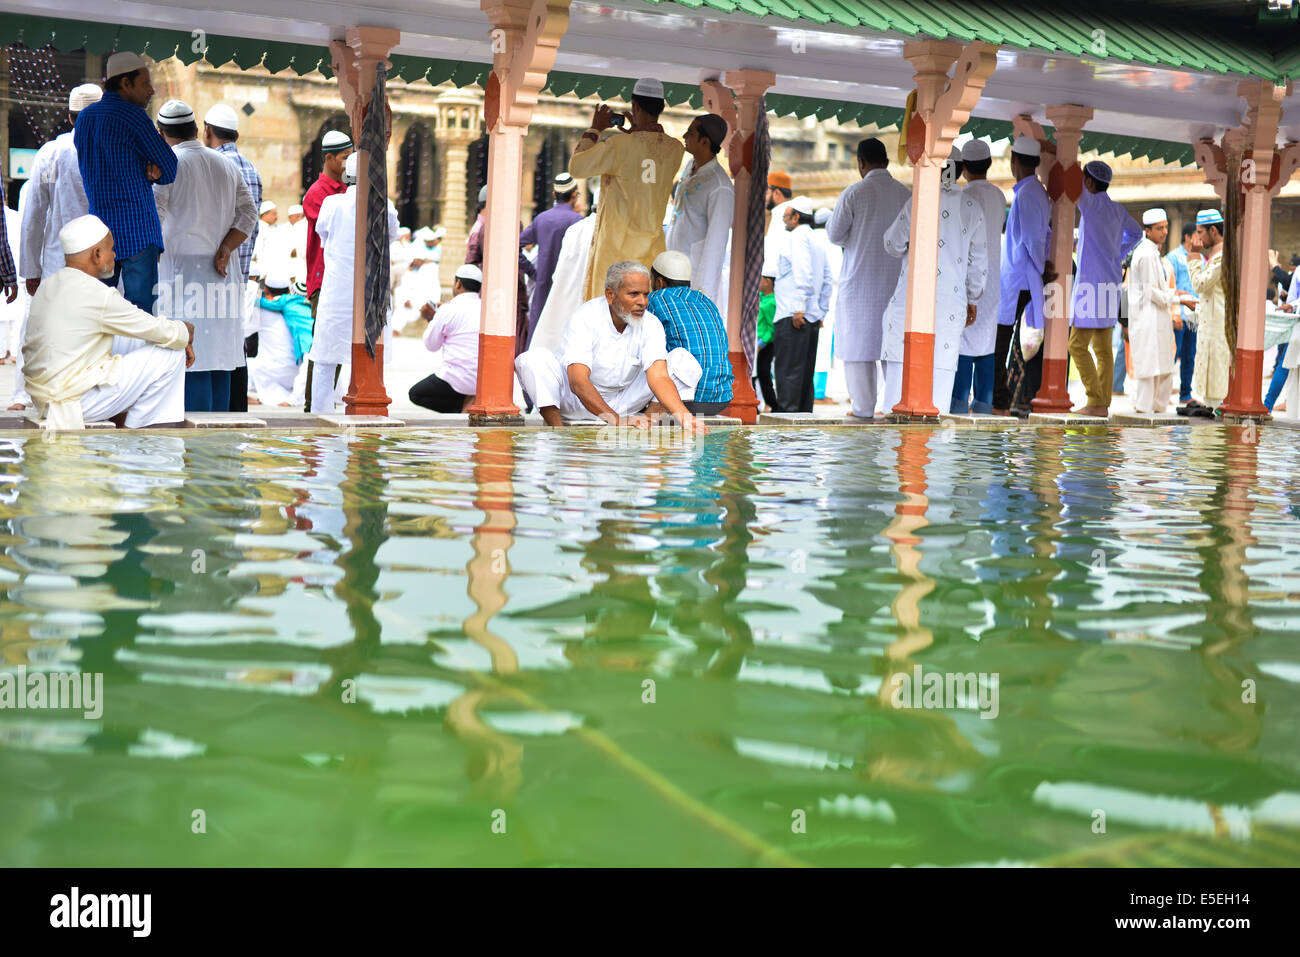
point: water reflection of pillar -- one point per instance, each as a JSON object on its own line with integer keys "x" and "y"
{"x": 365, "y": 519}
{"x": 496, "y": 760}
{"x": 909, "y": 518}
{"x": 730, "y": 574}
{"x": 1045, "y": 530}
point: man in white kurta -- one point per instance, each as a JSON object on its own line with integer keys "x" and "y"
{"x": 779, "y": 194}
{"x": 331, "y": 345}
{"x": 803, "y": 295}
{"x": 973, "y": 390}
{"x": 206, "y": 213}
{"x": 959, "y": 282}
{"x": 702, "y": 212}
{"x": 72, "y": 372}
{"x": 1150, "y": 322}
{"x": 868, "y": 274}
{"x": 614, "y": 361}
{"x": 296, "y": 244}
{"x": 271, "y": 248}
{"x": 567, "y": 285}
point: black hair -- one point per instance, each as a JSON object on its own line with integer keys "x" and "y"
{"x": 469, "y": 285}
{"x": 978, "y": 167}
{"x": 114, "y": 83}
{"x": 871, "y": 150}
{"x": 565, "y": 197}
{"x": 1101, "y": 187}
{"x": 180, "y": 131}
{"x": 223, "y": 134}
{"x": 783, "y": 191}
{"x": 1028, "y": 162}
{"x": 1189, "y": 229}
{"x": 656, "y": 274}
{"x": 651, "y": 104}
{"x": 1295, "y": 260}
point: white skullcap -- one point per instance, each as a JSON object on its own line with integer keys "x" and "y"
{"x": 673, "y": 265}
{"x": 277, "y": 280}
{"x": 350, "y": 168}
{"x": 1153, "y": 216}
{"x": 424, "y": 232}
{"x": 295, "y": 210}
{"x": 403, "y": 230}
{"x": 266, "y": 207}
{"x": 82, "y": 96}
{"x": 81, "y": 234}
{"x": 822, "y": 217}
{"x": 976, "y": 150}
{"x": 649, "y": 87}
{"x": 174, "y": 113}
{"x": 564, "y": 183}
{"x": 482, "y": 194}
{"x": 1026, "y": 146}
{"x": 470, "y": 272}
{"x": 802, "y": 205}
{"x": 335, "y": 141}
{"x": 123, "y": 62}
{"x": 439, "y": 232}
{"x": 223, "y": 117}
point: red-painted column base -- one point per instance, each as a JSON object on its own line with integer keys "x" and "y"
{"x": 918, "y": 376}
{"x": 366, "y": 395}
{"x": 744, "y": 403}
{"x": 1247, "y": 385}
{"x": 495, "y": 402}
{"x": 1053, "y": 394}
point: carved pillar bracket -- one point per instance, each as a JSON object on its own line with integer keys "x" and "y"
{"x": 943, "y": 105}
{"x": 525, "y": 38}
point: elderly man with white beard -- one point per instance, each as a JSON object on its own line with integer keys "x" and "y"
{"x": 614, "y": 364}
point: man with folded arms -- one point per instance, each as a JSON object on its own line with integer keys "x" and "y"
{"x": 614, "y": 361}
{"x": 72, "y": 374}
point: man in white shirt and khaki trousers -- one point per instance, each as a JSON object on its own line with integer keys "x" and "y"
{"x": 72, "y": 373}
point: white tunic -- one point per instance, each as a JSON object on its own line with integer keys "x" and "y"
{"x": 801, "y": 278}
{"x": 960, "y": 278}
{"x": 777, "y": 237}
{"x": 453, "y": 335}
{"x": 207, "y": 199}
{"x": 701, "y": 225}
{"x": 336, "y": 227}
{"x": 869, "y": 274}
{"x": 980, "y": 338}
{"x": 567, "y": 285}
{"x": 271, "y": 249}
{"x": 56, "y": 197}
{"x": 273, "y": 373}
{"x": 615, "y": 358}
{"x": 1150, "y": 324}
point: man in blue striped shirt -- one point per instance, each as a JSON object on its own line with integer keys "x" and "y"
{"x": 691, "y": 321}
{"x": 120, "y": 155}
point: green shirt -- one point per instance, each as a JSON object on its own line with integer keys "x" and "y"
{"x": 766, "y": 315}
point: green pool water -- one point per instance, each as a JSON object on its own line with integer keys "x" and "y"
{"x": 549, "y": 648}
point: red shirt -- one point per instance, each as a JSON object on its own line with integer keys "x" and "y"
{"x": 324, "y": 186}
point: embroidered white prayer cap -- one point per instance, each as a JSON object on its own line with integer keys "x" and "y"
{"x": 470, "y": 272}
{"x": 223, "y": 117}
{"x": 564, "y": 183}
{"x": 1153, "y": 216}
{"x": 335, "y": 141}
{"x": 673, "y": 265}
{"x": 802, "y": 205}
{"x": 649, "y": 87}
{"x": 266, "y": 207}
{"x": 976, "y": 150}
{"x": 122, "y": 62}
{"x": 350, "y": 168}
{"x": 1026, "y": 146}
{"x": 295, "y": 210}
{"x": 175, "y": 112}
{"x": 822, "y": 217}
{"x": 1099, "y": 171}
{"x": 300, "y": 288}
{"x": 1209, "y": 217}
{"x": 82, "y": 96}
{"x": 277, "y": 280}
{"x": 81, "y": 234}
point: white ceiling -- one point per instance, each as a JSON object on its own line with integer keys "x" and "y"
{"x": 632, "y": 38}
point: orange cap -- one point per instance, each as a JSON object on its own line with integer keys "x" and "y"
{"x": 780, "y": 178}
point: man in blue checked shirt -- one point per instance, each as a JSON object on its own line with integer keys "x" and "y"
{"x": 120, "y": 155}
{"x": 691, "y": 321}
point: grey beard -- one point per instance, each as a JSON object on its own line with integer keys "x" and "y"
{"x": 629, "y": 318}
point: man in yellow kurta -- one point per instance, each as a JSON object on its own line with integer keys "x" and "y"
{"x": 1213, "y": 361}
{"x": 636, "y": 171}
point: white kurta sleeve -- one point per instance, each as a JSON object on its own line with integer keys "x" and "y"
{"x": 120, "y": 318}
{"x": 720, "y": 210}
{"x": 899, "y": 233}
{"x": 1151, "y": 279}
{"x": 977, "y": 260}
{"x": 36, "y": 212}
{"x": 162, "y": 198}
{"x": 801, "y": 271}
{"x": 839, "y": 228}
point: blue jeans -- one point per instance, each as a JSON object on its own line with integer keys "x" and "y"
{"x": 978, "y": 369}
{"x": 207, "y": 391}
{"x": 1117, "y": 384}
{"x": 1279, "y": 378}
{"x": 1185, "y": 339}
{"x": 139, "y": 276}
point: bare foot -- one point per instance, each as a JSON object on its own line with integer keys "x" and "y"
{"x": 1096, "y": 411}
{"x": 254, "y": 401}
{"x": 17, "y": 407}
